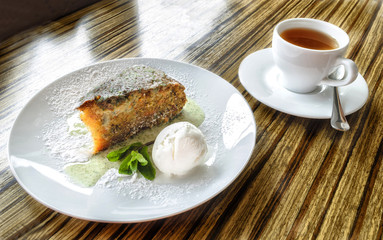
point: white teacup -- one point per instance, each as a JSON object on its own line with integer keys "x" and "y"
{"x": 303, "y": 69}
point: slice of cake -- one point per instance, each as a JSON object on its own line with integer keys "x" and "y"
{"x": 140, "y": 97}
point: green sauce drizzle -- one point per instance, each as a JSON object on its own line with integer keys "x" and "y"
{"x": 87, "y": 174}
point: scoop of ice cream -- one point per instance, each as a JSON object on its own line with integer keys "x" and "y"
{"x": 179, "y": 148}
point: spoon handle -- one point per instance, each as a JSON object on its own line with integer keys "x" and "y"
{"x": 338, "y": 120}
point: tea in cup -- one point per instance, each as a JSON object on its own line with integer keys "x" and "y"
{"x": 306, "y": 51}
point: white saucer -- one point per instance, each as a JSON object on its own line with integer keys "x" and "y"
{"x": 259, "y": 75}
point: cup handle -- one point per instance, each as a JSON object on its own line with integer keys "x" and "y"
{"x": 350, "y": 73}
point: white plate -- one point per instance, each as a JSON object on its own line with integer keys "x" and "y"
{"x": 259, "y": 75}
{"x": 229, "y": 128}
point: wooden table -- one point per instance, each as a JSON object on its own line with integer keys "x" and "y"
{"x": 304, "y": 179}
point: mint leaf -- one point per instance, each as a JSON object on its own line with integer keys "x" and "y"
{"x": 125, "y": 166}
{"x": 133, "y": 163}
{"x": 116, "y": 155}
{"x": 144, "y": 152}
{"x": 148, "y": 170}
{"x": 135, "y": 157}
{"x": 139, "y": 157}
{"x": 121, "y": 153}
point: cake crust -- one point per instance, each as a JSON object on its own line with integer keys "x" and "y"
{"x": 140, "y": 97}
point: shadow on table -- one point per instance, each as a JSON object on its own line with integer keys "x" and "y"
{"x": 19, "y": 15}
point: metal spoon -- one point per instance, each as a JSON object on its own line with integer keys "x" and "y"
{"x": 338, "y": 119}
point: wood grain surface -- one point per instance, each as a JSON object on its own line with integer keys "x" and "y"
{"x": 304, "y": 180}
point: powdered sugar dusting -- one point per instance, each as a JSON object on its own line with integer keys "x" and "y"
{"x": 64, "y": 146}
{"x": 74, "y": 146}
{"x": 67, "y": 145}
{"x": 133, "y": 78}
{"x": 162, "y": 192}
